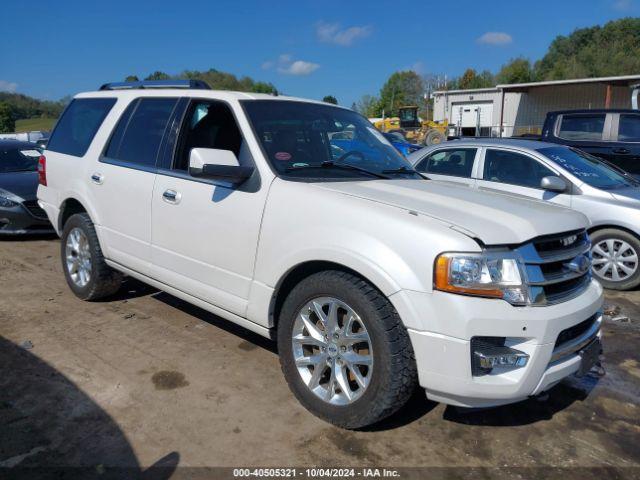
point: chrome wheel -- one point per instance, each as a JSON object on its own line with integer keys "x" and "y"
{"x": 332, "y": 350}
{"x": 614, "y": 260}
{"x": 78, "y": 257}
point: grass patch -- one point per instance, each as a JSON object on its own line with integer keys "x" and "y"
{"x": 31, "y": 124}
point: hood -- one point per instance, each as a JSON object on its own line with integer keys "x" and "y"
{"x": 627, "y": 194}
{"x": 493, "y": 218}
{"x": 22, "y": 184}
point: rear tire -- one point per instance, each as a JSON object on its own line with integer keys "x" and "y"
{"x": 434, "y": 137}
{"x": 85, "y": 270}
{"x": 616, "y": 258}
{"x": 389, "y": 379}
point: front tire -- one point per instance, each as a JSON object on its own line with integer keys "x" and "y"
{"x": 85, "y": 270}
{"x": 344, "y": 351}
{"x": 616, "y": 255}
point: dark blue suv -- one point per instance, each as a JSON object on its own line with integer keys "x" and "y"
{"x": 613, "y": 135}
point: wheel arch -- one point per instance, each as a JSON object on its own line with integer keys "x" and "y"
{"x": 70, "y": 206}
{"x": 303, "y": 270}
{"x": 596, "y": 228}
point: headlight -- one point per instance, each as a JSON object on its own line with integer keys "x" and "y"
{"x": 6, "y": 203}
{"x": 486, "y": 274}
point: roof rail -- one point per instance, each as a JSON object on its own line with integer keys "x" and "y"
{"x": 188, "y": 84}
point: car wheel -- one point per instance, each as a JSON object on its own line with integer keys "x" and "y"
{"x": 87, "y": 274}
{"x": 344, "y": 351}
{"x": 615, "y": 255}
{"x": 434, "y": 137}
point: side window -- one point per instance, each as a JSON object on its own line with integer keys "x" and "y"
{"x": 78, "y": 125}
{"x": 514, "y": 168}
{"x": 208, "y": 124}
{"x": 629, "y": 129}
{"x": 139, "y": 132}
{"x": 582, "y": 127}
{"x": 454, "y": 162}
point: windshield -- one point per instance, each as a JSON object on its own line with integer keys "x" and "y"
{"x": 309, "y": 141}
{"x": 586, "y": 167}
{"x": 18, "y": 160}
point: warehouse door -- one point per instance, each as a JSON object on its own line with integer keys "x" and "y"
{"x": 472, "y": 119}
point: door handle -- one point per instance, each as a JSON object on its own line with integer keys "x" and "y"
{"x": 621, "y": 151}
{"x": 171, "y": 196}
{"x": 97, "y": 178}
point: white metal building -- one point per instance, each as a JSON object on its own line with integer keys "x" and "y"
{"x": 522, "y": 108}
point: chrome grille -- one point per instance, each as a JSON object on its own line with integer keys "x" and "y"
{"x": 34, "y": 209}
{"x": 557, "y": 267}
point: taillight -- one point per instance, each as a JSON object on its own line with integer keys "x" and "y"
{"x": 42, "y": 170}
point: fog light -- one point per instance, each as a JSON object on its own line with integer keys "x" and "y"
{"x": 488, "y": 353}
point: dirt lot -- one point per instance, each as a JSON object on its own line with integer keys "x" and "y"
{"x": 147, "y": 379}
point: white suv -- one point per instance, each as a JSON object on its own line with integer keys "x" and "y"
{"x": 371, "y": 278}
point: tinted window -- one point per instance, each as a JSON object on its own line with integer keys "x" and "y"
{"x": 582, "y": 127}
{"x": 78, "y": 125}
{"x": 23, "y": 158}
{"x": 458, "y": 162}
{"x": 208, "y": 125}
{"x": 514, "y": 168}
{"x": 629, "y": 129}
{"x": 137, "y": 137}
{"x": 586, "y": 167}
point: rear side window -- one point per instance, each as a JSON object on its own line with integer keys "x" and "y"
{"x": 455, "y": 162}
{"x": 139, "y": 132}
{"x": 514, "y": 168}
{"x": 582, "y": 127}
{"x": 78, "y": 125}
{"x": 629, "y": 129}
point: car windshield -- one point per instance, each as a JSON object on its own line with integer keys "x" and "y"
{"x": 587, "y": 168}
{"x": 309, "y": 141}
{"x": 18, "y": 159}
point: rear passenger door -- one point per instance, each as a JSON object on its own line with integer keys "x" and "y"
{"x": 450, "y": 164}
{"x": 122, "y": 181}
{"x": 518, "y": 173}
{"x": 625, "y": 146}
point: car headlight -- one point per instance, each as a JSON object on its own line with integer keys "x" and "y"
{"x": 493, "y": 275}
{"x": 6, "y": 202}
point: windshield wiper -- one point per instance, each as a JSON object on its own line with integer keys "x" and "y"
{"x": 340, "y": 166}
{"x": 402, "y": 169}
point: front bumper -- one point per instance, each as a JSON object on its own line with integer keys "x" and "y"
{"x": 443, "y": 347}
{"x": 24, "y": 218}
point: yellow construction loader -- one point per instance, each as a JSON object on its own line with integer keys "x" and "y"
{"x": 412, "y": 128}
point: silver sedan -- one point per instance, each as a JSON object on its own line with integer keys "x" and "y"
{"x": 558, "y": 174}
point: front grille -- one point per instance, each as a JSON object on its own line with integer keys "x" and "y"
{"x": 576, "y": 331}
{"x": 34, "y": 209}
{"x": 557, "y": 267}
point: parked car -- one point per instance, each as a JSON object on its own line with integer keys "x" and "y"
{"x": 19, "y": 209}
{"x": 370, "y": 277}
{"x": 613, "y": 135}
{"x": 404, "y": 147}
{"x": 559, "y": 174}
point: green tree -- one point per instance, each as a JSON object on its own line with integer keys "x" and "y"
{"x": 517, "y": 70}
{"x": 157, "y": 75}
{"x": 330, "y": 99}
{"x": 7, "y": 121}
{"x": 401, "y": 89}
{"x": 368, "y": 106}
{"x": 131, "y": 78}
{"x": 600, "y": 51}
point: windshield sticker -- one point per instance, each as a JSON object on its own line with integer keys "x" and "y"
{"x": 283, "y": 156}
{"x": 30, "y": 153}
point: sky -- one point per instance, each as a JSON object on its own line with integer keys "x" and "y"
{"x": 310, "y": 49}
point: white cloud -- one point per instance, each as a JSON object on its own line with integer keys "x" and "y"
{"x": 333, "y": 33}
{"x": 623, "y": 5}
{"x": 495, "y": 38}
{"x": 286, "y": 65}
{"x": 299, "y": 67}
{"x": 8, "y": 86}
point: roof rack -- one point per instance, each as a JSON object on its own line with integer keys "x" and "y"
{"x": 188, "y": 84}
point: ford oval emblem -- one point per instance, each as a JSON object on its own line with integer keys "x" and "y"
{"x": 579, "y": 264}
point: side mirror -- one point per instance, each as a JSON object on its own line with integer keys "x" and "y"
{"x": 553, "y": 184}
{"x": 217, "y": 164}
